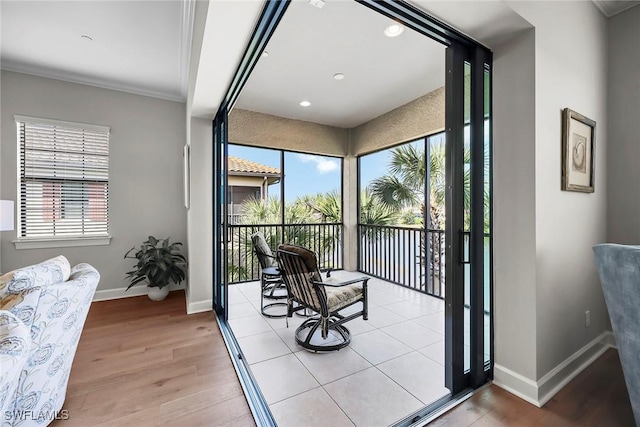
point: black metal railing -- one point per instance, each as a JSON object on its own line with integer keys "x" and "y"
{"x": 324, "y": 239}
{"x": 406, "y": 256}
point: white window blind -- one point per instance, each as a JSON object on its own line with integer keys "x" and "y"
{"x": 64, "y": 179}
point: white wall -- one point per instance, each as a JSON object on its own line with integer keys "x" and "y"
{"x": 201, "y": 217}
{"x": 570, "y": 71}
{"x": 145, "y": 166}
{"x": 514, "y": 204}
{"x": 624, "y": 133}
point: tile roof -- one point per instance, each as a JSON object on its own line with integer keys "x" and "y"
{"x": 237, "y": 164}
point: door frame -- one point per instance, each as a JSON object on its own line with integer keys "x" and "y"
{"x": 460, "y": 49}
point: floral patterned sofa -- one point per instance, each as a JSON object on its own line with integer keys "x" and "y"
{"x": 51, "y": 301}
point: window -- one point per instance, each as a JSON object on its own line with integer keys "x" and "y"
{"x": 63, "y": 180}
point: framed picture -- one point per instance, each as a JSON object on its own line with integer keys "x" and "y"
{"x": 578, "y": 152}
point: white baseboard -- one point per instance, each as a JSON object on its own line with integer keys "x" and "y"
{"x": 515, "y": 383}
{"x": 199, "y": 306}
{"x": 135, "y": 291}
{"x": 540, "y": 392}
{"x": 550, "y": 384}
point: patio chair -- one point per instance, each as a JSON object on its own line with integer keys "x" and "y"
{"x": 299, "y": 268}
{"x": 271, "y": 285}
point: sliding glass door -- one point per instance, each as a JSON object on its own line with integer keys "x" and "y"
{"x": 468, "y": 253}
{"x": 467, "y": 235}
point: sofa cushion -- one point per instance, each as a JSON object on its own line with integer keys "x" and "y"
{"x": 54, "y": 270}
{"x": 15, "y": 343}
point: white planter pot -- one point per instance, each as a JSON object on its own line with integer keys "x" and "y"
{"x": 158, "y": 294}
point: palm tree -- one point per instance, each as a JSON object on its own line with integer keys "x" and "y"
{"x": 404, "y": 185}
{"x": 265, "y": 216}
{"x": 327, "y": 206}
{"x": 374, "y": 212}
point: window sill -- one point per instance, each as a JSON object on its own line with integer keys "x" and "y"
{"x": 65, "y": 242}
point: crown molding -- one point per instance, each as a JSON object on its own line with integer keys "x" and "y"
{"x": 71, "y": 77}
{"x": 611, "y": 8}
{"x": 186, "y": 39}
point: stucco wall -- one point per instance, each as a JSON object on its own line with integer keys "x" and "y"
{"x": 265, "y": 130}
{"x": 420, "y": 117}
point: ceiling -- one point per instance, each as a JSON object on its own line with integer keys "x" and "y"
{"x": 228, "y": 30}
{"x": 312, "y": 44}
{"x": 138, "y": 46}
{"x": 143, "y": 47}
{"x": 612, "y": 7}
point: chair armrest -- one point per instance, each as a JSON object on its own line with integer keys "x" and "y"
{"x": 327, "y": 270}
{"x": 345, "y": 283}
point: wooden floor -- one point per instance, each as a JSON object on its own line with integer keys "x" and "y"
{"x": 144, "y": 363}
{"x": 596, "y": 397}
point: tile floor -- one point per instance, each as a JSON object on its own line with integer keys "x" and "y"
{"x": 393, "y": 366}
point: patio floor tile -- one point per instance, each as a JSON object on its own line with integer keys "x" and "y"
{"x": 313, "y": 408}
{"x": 251, "y": 325}
{"x": 379, "y": 317}
{"x": 412, "y": 334}
{"x": 411, "y": 310}
{"x": 243, "y": 309}
{"x": 434, "y": 352}
{"x": 434, "y": 321}
{"x": 377, "y": 380}
{"x": 327, "y": 367}
{"x": 260, "y": 347}
{"x": 377, "y": 347}
{"x": 417, "y": 374}
{"x": 282, "y": 377}
{"x": 371, "y": 399}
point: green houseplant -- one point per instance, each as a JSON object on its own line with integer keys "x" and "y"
{"x": 159, "y": 263}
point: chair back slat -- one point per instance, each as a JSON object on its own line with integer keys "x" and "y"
{"x": 298, "y": 276}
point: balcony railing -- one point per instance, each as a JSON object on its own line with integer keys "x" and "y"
{"x": 410, "y": 257}
{"x": 324, "y": 239}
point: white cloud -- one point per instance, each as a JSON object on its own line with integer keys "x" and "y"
{"x": 323, "y": 165}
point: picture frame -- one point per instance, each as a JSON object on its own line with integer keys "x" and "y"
{"x": 578, "y": 152}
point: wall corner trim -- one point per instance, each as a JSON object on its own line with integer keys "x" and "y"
{"x": 199, "y": 306}
{"x": 539, "y": 392}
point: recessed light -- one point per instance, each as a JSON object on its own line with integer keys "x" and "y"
{"x": 394, "y": 30}
{"x": 338, "y": 76}
{"x": 305, "y": 103}
{"x": 265, "y": 54}
{"x": 317, "y": 3}
{"x": 86, "y": 38}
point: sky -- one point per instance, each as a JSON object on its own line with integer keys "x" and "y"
{"x": 307, "y": 174}
{"x": 304, "y": 173}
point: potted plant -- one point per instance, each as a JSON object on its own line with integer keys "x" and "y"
{"x": 159, "y": 263}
